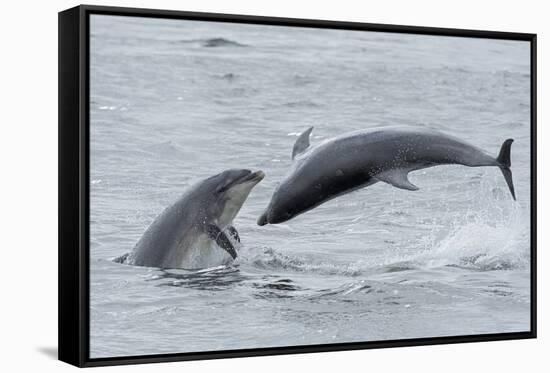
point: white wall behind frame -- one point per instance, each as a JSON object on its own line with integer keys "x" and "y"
{"x": 28, "y": 187}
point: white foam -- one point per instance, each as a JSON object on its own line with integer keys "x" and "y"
{"x": 480, "y": 242}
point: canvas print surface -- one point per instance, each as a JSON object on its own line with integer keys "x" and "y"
{"x": 261, "y": 186}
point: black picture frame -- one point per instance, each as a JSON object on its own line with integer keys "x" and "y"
{"x": 74, "y": 232}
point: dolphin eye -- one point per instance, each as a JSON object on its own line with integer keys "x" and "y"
{"x": 221, "y": 188}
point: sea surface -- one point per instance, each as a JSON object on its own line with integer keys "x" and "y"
{"x": 173, "y": 102}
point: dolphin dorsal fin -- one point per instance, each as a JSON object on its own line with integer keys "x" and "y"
{"x": 396, "y": 177}
{"x": 302, "y": 143}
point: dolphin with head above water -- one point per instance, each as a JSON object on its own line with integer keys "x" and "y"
{"x": 358, "y": 159}
{"x": 201, "y": 219}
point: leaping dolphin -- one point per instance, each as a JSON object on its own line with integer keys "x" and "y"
{"x": 358, "y": 159}
{"x": 199, "y": 221}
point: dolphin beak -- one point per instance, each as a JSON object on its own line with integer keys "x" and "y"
{"x": 262, "y": 220}
{"x": 258, "y": 175}
{"x": 253, "y": 176}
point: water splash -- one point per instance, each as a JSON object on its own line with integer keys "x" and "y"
{"x": 492, "y": 235}
{"x": 481, "y": 244}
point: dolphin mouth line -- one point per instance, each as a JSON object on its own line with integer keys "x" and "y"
{"x": 253, "y": 176}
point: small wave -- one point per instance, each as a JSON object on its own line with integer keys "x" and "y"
{"x": 214, "y": 278}
{"x": 382, "y": 39}
{"x": 282, "y": 288}
{"x": 163, "y": 149}
{"x": 229, "y": 77}
{"x": 273, "y": 260}
{"x": 346, "y": 289}
{"x": 301, "y": 104}
{"x": 514, "y": 124}
{"x": 302, "y": 80}
{"x": 221, "y": 42}
{"x": 213, "y": 42}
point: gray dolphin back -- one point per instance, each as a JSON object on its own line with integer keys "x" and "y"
{"x": 505, "y": 163}
{"x": 400, "y": 150}
{"x": 158, "y": 246}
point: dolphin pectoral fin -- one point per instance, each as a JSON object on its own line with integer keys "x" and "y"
{"x": 397, "y": 178}
{"x": 302, "y": 143}
{"x": 216, "y": 234}
{"x": 233, "y": 232}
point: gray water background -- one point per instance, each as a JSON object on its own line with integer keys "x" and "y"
{"x": 173, "y": 102}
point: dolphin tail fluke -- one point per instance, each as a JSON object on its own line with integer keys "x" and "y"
{"x": 504, "y": 162}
